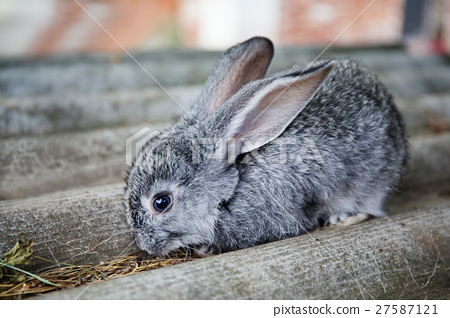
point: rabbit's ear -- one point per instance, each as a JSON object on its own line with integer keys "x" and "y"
{"x": 236, "y": 67}
{"x": 272, "y": 108}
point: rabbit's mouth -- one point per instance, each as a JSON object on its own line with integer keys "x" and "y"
{"x": 156, "y": 243}
{"x": 158, "y": 250}
{"x": 164, "y": 241}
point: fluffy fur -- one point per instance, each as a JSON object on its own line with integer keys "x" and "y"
{"x": 305, "y": 147}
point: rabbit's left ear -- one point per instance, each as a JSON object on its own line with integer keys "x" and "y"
{"x": 265, "y": 115}
{"x": 236, "y": 67}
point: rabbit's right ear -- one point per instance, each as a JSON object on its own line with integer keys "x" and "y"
{"x": 268, "y": 109}
{"x": 236, "y": 67}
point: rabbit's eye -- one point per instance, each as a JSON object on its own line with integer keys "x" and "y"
{"x": 162, "y": 202}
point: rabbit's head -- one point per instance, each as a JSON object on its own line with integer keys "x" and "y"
{"x": 179, "y": 183}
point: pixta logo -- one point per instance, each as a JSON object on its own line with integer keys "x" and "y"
{"x": 135, "y": 143}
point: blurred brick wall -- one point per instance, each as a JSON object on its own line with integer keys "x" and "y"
{"x": 320, "y": 22}
{"x": 147, "y": 24}
{"x": 311, "y": 22}
{"x": 130, "y": 22}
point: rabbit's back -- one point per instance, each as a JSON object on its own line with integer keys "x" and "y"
{"x": 343, "y": 154}
{"x": 355, "y": 125}
{"x": 352, "y": 119}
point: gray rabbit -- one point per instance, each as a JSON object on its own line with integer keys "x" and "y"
{"x": 260, "y": 159}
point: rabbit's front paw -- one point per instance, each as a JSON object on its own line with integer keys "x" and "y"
{"x": 346, "y": 219}
{"x": 204, "y": 251}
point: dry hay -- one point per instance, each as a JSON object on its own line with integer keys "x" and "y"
{"x": 70, "y": 276}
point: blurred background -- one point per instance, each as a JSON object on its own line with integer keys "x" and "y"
{"x": 48, "y": 27}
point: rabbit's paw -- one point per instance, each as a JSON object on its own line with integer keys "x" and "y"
{"x": 203, "y": 251}
{"x": 346, "y": 219}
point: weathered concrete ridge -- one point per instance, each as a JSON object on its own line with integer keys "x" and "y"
{"x": 36, "y": 165}
{"x": 86, "y": 226}
{"x": 404, "y": 257}
{"x": 55, "y": 114}
{"x": 103, "y": 72}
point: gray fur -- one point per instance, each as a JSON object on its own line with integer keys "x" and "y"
{"x": 346, "y": 150}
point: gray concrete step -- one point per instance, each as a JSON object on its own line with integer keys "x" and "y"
{"x": 89, "y": 74}
{"x": 380, "y": 57}
{"x": 36, "y": 165}
{"x": 414, "y": 82}
{"x": 425, "y": 114}
{"x": 55, "y": 114}
{"x": 86, "y": 225}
